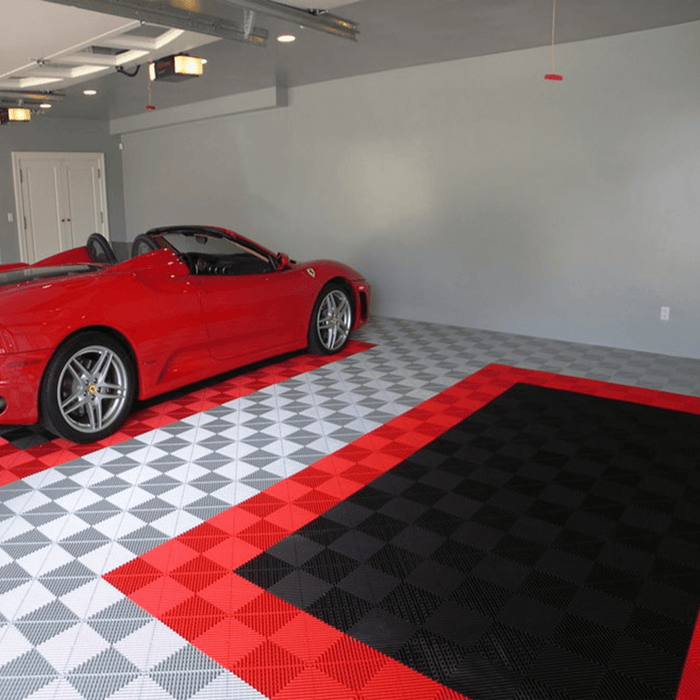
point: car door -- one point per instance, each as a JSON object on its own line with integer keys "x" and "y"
{"x": 253, "y": 314}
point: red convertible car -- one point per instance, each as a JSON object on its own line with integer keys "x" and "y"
{"x": 82, "y": 335}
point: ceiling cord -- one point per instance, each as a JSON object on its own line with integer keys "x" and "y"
{"x": 126, "y": 73}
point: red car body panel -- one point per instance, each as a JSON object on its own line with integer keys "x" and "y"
{"x": 179, "y": 326}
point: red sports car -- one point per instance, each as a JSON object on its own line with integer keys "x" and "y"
{"x": 82, "y": 335}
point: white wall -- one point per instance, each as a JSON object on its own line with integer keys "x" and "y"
{"x": 472, "y": 192}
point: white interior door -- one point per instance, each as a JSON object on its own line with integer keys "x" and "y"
{"x": 85, "y": 200}
{"x": 42, "y": 193}
{"x": 61, "y": 200}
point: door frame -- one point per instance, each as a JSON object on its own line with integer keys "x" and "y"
{"x": 18, "y": 156}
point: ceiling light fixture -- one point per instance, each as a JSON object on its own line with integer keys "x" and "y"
{"x": 15, "y": 114}
{"x": 286, "y": 38}
{"x": 89, "y": 92}
{"x": 177, "y": 67}
{"x": 45, "y": 105}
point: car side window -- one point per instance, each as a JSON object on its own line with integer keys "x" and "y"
{"x": 236, "y": 264}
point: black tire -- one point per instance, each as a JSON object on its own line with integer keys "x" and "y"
{"x": 88, "y": 388}
{"x": 331, "y": 320}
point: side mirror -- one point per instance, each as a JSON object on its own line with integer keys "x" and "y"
{"x": 282, "y": 260}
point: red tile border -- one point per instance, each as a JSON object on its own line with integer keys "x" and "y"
{"x": 280, "y": 650}
{"x": 689, "y": 687}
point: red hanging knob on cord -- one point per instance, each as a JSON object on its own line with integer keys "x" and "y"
{"x": 553, "y": 75}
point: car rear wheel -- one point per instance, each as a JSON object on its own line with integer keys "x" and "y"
{"x": 331, "y": 320}
{"x": 88, "y": 388}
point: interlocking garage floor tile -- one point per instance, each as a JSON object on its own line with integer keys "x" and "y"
{"x": 498, "y": 553}
{"x": 205, "y": 491}
{"x": 28, "y": 449}
{"x": 446, "y": 562}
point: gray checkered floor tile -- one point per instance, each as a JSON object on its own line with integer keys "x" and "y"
{"x": 66, "y": 634}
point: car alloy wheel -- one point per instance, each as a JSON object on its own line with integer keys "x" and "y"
{"x": 89, "y": 388}
{"x": 331, "y": 321}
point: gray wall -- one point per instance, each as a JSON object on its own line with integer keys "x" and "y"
{"x": 58, "y": 135}
{"x": 472, "y": 192}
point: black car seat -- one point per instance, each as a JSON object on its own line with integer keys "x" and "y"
{"x": 142, "y": 244}
{"x": 99, "y": 249}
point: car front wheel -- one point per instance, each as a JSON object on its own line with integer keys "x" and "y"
{"x": 88, "y": 388}
{"x": 331, "y": 321}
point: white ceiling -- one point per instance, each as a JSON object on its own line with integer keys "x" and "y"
{"x": 393, "y": 34}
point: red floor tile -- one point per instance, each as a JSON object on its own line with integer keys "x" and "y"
{"x": 278, "y": 649}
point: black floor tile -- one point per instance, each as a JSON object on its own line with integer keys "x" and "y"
{"x": 543, "y": 548}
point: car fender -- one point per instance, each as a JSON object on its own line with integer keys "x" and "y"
{"x": 325, "y": 271}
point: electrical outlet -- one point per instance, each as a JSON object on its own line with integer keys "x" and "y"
{"x": 665, "y": 313}
{"x": 10, "y": 216}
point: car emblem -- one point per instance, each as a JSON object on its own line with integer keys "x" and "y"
{"x": 311, "y": 271}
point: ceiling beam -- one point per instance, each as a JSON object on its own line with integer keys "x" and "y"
{"x": 323, "y": 21}
{"x": 220, "y": 18}
{"x": 18, "y": 96}
{"x": 212, "y": 17}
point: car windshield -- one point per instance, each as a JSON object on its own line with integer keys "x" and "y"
{"x": 28, "y": 274}
{"x": 192, "y": 242}
{"x": 207, "y": 253}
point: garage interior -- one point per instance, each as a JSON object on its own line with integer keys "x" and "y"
{"x": 493, "y": 491}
